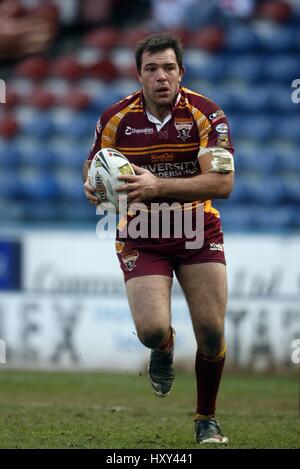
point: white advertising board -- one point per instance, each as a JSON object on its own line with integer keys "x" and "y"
{"x": 73, "y": 312}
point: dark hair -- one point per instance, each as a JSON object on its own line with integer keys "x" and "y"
{"x": 158, "y": 42}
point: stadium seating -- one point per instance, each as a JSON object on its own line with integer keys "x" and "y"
{"x": 54, "y": 104}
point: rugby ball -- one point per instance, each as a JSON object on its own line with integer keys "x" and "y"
{"x": 105, "y": 168}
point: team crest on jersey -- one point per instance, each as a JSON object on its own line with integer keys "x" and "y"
{"x": 183, "y": 127}
{"x": 129, "y": 259}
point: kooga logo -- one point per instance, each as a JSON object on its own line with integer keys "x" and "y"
{"x": 131, "y": 130}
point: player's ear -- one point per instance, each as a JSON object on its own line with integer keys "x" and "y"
{"x": 139, "y": 76}
{"x": 182, "y": 71}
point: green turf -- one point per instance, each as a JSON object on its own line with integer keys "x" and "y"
{"x": 106, "y": 410}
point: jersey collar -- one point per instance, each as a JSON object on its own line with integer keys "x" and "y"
{"x": 159, "y": 124}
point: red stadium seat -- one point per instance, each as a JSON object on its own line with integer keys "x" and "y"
{"x": 275, "y": 11}
{"x": 11, "y": 98}
{"x": 35, "y": 68}
{"x": 103, "y": 69}
{"x": 209, "y": 38}
{"x": 129, "y": 37}
{"x": 95, "y": 11}
{"x": 129, "y": 72}
{"x": 8, "y": 127}
{"x": 182, "y": 33}
{"x": 75, "y": 99}
{"x": 40, "y": 99}
{"x": 104, "y": 38}
{"x": 67, "y": 68}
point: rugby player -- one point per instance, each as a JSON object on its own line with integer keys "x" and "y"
{"x": 180, "y": 145}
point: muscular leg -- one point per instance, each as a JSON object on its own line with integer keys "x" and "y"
{"x": 205, "y": 289}
{"x": 149, "y": 301}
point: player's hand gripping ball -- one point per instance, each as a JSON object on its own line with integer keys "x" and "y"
{"x": 104, "y": 170}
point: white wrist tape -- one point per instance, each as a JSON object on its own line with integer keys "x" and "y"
{"x": 222, "y": 159}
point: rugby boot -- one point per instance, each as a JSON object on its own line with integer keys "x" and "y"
{"x": 161, "y": 370}
{"x": 209, "y": 431}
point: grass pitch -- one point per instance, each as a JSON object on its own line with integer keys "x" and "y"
{"x": 115, "y": 411}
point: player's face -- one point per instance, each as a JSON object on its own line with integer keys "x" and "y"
{"x": 160, "y": 76}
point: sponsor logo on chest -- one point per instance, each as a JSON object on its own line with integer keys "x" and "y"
{"x": 162, "y": 157}
{"x": 133, "y": 131}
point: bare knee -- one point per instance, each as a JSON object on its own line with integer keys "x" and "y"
{"x": 210, "y": 339}
{"x": 152, "y": 338}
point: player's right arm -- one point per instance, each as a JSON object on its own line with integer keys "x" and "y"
{"x": 89, "y": 190}
{"x": 105, "y": 137}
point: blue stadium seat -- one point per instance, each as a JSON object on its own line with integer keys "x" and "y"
{"x": 9, "y": 184}
{"x": 9, "y": 154}
{"x": 295, "y": 223}
{"x": 275, "y": 218}
{"x": 76, "y": 125}
{"x": 240, "y": 38}
{"x": 69, "y": 185}
{"x": 251, "y": 99}
{"x": 36, "y": 124}
{"x": 101, "y": 101}
{"x": 203, "y": 66}
{"x": 78, "y": 212}
{"x": 34, "y": 153}
{"x": 69, "y": 154}
{"x": 269, "y": 191}
{"x": 122, "y": 87}
{"x": 282, "y": 68}
{"x": 239, "y": 193}
{"x": 292, "y": 190}
{"x": 259, "y": 159}
{"x": 11, "y": 211}
{"x": 274, "y": 38}
{"x": 237, "y": 218}
{"x": 221, "y": 96}
{"x": 234, "y": 124}
{"x": 288, "y": 159}
{"x": 248, "y": 69}
{"x": 288, "y": 128}
{"x": 38, "y": 186}
{"x": 257, "y": 127}
{"x": 40, "y": 211}
{"x": 280, "y": 99}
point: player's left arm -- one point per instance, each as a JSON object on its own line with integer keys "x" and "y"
{"x": 147, "y": 186}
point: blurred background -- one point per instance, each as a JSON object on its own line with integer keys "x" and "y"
{"x": 61, "y": 64}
